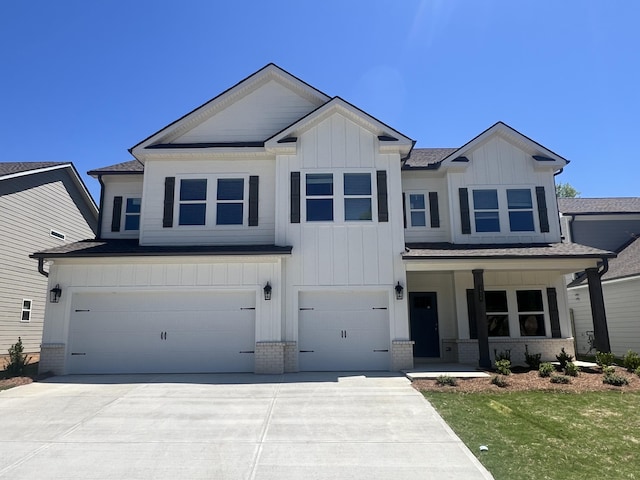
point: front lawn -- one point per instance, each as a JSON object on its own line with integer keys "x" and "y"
{"x": 548, "y": 435}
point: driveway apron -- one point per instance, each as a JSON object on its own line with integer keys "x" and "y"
{"x": 228, "y": 426}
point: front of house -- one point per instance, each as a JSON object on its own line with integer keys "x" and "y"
{"x": 276, "y": 229}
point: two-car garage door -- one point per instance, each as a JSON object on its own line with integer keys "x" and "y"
{"x": 162, "y": 332}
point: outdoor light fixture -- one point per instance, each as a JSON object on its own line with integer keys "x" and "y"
{"x": 399, "y": 291}
{"x": 267, "y": 291}
{"x": 55, "y": 293}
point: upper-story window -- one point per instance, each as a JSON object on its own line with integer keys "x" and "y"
{"x": 485, "y": 210}
{"x": 357, "y": 196}
{"x": 319, "y": 192}
{"x": 193, "y": 202}
{"x": 520, "y": 207}
{"x": 417, "y": 210}
{"x": 230, "y": 201}
{"x": 132, "y": 214}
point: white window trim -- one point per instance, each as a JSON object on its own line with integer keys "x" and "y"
{"x": 346, "y": 197}
{"x": 123, "y": 216}
{"x": 30, "y": 310}
{"x": 503, "y": 211}
{"x": 427, "y": 217}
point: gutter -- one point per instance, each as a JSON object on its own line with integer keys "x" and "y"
{"x": 41, "y": 267}
{"x": 99, "y": 229}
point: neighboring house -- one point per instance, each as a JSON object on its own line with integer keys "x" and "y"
{"x": 277, "y": 229}
{"x": 42, "y": 205}
{"x": 610, "y": 224}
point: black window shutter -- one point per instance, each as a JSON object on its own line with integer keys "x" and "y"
{"x": 253, "y": 200}
{"x": 471, "y": 307}
{"x": 117, "y": 214}
{"x": 554, "y": 314}
{"x": 383, "y": 207}
{"x": 295, "y": 197}
{"x": 542, "y": 209}
{"x": 169, "y": 188}
{"x": 434, "y": 210}
{"x": 464, "y": 210}
{"x": 404, "y": 208}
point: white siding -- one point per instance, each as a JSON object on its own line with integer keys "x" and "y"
{"x": 125, "y": 186}
{"x": 424, "y": 182}
{"x": 255, "y": 117}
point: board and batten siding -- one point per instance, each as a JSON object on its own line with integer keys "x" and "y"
{"x": 622, "y": 303}
{"x": 498, "y": 164}
{"x": 152, "y": 231}
{"x": 255, "y": 117}
{"x": 30, "y": 207}
{"x": 422, "y": 182}
{"x": 125, "y": 186}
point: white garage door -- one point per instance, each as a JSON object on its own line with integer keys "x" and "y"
{"x": 162, "y": 332}
{"x": 343, "y": 331}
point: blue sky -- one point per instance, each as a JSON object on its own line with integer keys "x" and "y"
{"x": 83, "y": 81}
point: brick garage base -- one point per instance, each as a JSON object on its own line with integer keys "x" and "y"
{"x": 269, "y": 358}
{"x": 401, "y": 355}
{"x": 466, "y": 351}
{"x": 52, "y": 358}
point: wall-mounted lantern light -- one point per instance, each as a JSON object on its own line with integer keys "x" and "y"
{"x": 399, "y": 291}
{"x": 55, "y": 293}
{"x": 267, "y": 291}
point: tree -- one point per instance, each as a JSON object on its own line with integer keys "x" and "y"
{"x": 565, "y": 190}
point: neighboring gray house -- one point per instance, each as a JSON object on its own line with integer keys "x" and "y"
{"x": 42, "y": 205}
{"x": 610, "y": 224}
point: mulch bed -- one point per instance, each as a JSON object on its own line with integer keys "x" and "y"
{"x": 589, "y": 380}
{"x": 14, "y": 382}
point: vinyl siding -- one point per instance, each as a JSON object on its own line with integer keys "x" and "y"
{"x": 30, "y": 207}
{"x": 126, "y": 186}
{"x": 423, "y": 183}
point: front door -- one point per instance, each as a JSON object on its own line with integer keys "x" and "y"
{"x": 423, "y": 316}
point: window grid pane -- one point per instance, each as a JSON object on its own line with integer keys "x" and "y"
{"x": 229, "y": 214}
{"x": 193, "y": 189}
{"x": 531, "y": 313}
{"x": 418, "y": 219}
{"x": 319, "y": 184}
{"x": 357, "y": 209}
{"x": 357, "y": 184}
{"x": 230, "y": 189}
{"x": 320, "y": 210}
{"x": 192, "y": 213}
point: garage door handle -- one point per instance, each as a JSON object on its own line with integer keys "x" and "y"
{"x": 309, "y": 308}
{"x": 379, "y": 308}
{"x": 82, "y": 310}
{"x": 247, "y": 308}
{"x": 307, "y": 351}
{"x": 76, "y": 353}
{"x": 381, "y": 350}
{"x": 246, "y": 351}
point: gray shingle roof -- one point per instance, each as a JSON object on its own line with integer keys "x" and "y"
{"x": 426, "y": 157}
{"x": 417, "y": 251}
{"x": 626, "y": 264}
{"x": 130, "y": 167}
{"x": 9, "y": 168}
{"x": 599, "y": 205}
{"x": 131, "y": 248}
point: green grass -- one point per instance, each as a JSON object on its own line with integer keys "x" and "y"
{"x": 544, "y": 435}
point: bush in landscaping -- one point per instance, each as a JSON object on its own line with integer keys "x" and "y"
{"x": 605, "y": 359}
{"x": 505, "y": 355}
{"x": 564, "y": 358}
{"x": 500, "y": 381}
{"x": 443, "y": 380}
{"x": 503, "y": 366}
{"x": 546, "y": 369}
{"x": 631, "y": 361}
{"x": 615, "y": 379}
{"x": 17, "y": 360}
{"x": 609, "y": 370}
{"x": 560, "y": 379}
{"x": 571, "y": 369}
{"x": 638, "y": 371}
{"x": 532, "y": 359}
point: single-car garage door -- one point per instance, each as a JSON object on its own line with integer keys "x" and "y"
{"x": 343, "y": 331}
{"x": 162, "y": 332}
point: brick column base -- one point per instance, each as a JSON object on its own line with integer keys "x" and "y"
{"x": 269, "y": 358}
{"x": 401, "y": 355}
{"x": 52, "y": 358}
{"x": 290, "y": 357}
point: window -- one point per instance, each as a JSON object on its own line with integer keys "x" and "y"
{"x": 530, "y": 313}
{"x": 132, "y": 214}
{"x": 485, "y": 205}
{"x": 55, "y": 234}
{"x": 520, "y": 210}
{"x": 497, "y": 313}
{"x": 193, "y": 201}
{"x": 26, "y": 310}
{"x": 417, "y": 210}
{"x": 230, "y": 196}
{"x": 319, "y": 192}
{"x": 357, "y": 196}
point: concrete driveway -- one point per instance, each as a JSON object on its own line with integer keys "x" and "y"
{"x": 225, "y": 426}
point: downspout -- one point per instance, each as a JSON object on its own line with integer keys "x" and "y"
{"x": 605, "y": 267}
{"x": 99, "y": 230}
{"x": 41, "y": 267}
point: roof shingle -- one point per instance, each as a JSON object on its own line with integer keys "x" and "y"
{"x": 599, "y": 205}
{"x": 10, "y": 168}
{"x": 417, "y": 251}
{"x": 130, "y": 167}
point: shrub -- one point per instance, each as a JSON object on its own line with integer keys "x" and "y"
{"x": 638, "y": 371}
{"x": 17, "y": 359}
{"x": 604, "y": 359}
{"x": 443, "y": 380}
{"x": 564, "y": 358}
{"x": 571, "y": 369}
{"x": 503, "y": 366}
{"x": 615, "y": 379}
{"x": 560, "y": 379}
{"x": 505, "y": 355}
{"x": 499, "y": 381}
{"x": 609, "y": 370}
{"x": 631, "y": 361}
{"x": 546, "y": 369}
{"x": 532, "y": 359}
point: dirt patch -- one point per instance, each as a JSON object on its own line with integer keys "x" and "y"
{"x": 587, "y": 381}
{"x": 6, "y": 383}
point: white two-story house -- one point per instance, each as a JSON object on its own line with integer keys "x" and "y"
{"x": 277, "y": 229}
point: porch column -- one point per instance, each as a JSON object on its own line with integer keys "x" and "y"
{"x": 481, "y": 318}
{"x": 600, "y": 329}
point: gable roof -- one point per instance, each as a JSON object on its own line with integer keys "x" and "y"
{"x": 626, "y": 264}
{"x": 427, "y": 158}
{"x": 128, "y": 168}
{"x": 13, "y": 168}
{"x": 611, "y": 205}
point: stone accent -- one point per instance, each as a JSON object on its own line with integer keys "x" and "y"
{"x": 52, "y": 358}
{"x": 401, "y": 355}
{"x": 290, "y": 357}
{"x": 467, "y": 350}
{"x": 269, "y": 358}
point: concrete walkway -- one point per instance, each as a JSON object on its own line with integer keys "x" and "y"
{"x": 293, "y": 426}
